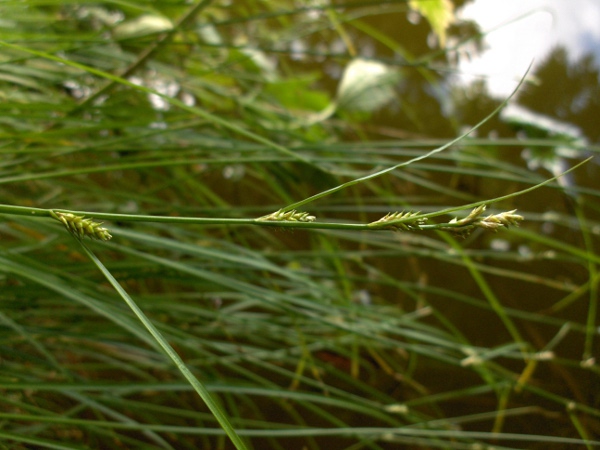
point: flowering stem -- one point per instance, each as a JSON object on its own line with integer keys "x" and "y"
{"x": 82, "y": 223}
{"x": 286, "y": 218}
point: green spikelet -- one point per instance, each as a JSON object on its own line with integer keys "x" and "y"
{"x": 80, "y": 227}
{"x": 392, "y": 221}
{"x": 289, "y": 216}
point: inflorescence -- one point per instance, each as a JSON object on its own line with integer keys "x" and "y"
{"x": 80, "y": 227}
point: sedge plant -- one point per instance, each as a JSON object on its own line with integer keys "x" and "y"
{"x": 195, "y": 256}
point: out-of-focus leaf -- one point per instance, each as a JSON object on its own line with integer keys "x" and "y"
{"x": 141, "y": 26}
{"x": 439, "y": 14}
{"x": 209, "y": 34}
{"x": 555, "y": 159}
{"x": 366, "y": 86}
{"x": 297, "y": 94}
{"x": 261, "y": 62}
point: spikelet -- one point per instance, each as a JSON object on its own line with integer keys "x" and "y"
{"x": 80, "y": 227}
{"x": 463, "y": 227}
{"x": 400, "y": 221}
{"x": 289, "y": 216}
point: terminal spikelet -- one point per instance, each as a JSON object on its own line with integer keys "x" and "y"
{"x": 80, "y": 227}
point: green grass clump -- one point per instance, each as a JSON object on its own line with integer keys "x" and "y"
{"x": 297, "y": 260}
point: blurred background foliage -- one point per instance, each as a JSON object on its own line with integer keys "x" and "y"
{"x": 319, "y": 340}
